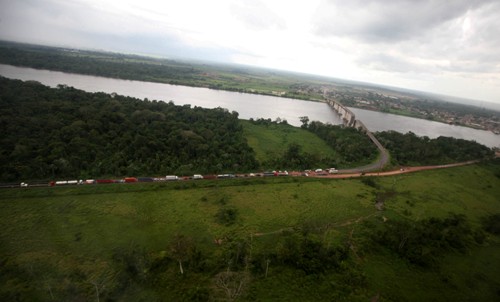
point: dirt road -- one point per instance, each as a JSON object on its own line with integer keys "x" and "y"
{"x": 402, "y": 170}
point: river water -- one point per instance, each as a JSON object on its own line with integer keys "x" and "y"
{"x": 248, "y": 105}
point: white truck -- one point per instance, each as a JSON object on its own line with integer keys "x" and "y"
{"x": 333, "y": 171}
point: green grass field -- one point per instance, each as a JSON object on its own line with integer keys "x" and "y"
{"x": 271, "y": 141}
{"x": 57, "y": 243}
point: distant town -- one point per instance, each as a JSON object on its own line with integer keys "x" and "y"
{"x": 419, "y": 107}
{"x": 400, "y": 103}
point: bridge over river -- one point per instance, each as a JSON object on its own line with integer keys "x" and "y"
{"x": 349, "y": 120}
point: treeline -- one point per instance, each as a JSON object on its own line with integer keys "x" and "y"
{"x": 410, "y": 149}
{"x": 352, "y": 144}
{"x": 140, "y": 68}
{"x": 293, "y": 157}
{"x": 424, "y": 243}
{"x": 63, "y": 132}
{"x": 111, "y": 65}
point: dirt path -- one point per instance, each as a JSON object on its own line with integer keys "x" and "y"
{"x": 402, "y": 170}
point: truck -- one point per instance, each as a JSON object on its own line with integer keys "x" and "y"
{"x": 130, "y": 179}
{"x": 333, "y": 171}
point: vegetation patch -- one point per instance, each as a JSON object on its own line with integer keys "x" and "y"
{"x": 354, "y": 147}
{"x": 309, "y": 239}
{"x": 60, "y": 133}
{"x": 278, "y": 145}
{"x": 410, "y": 149}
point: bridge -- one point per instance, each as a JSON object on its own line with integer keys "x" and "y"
{"x": 349, "y": 120}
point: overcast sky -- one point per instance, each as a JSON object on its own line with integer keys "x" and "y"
{"x": 444, "y": 46}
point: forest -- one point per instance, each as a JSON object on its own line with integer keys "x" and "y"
{"x": 64, "y": 132}
{"x": 350, "y": 147}
{"x": 102, "y": 64}
{"x": 352, "y": 143}
{"x": 410, "y": 149}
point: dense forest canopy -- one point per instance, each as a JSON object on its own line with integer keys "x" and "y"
{"x": 64, "y": 132}
{"x": 410, "y": 149}
{"x": 352, "y": 143}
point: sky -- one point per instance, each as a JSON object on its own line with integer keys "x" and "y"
{"x": 449, "y": 47}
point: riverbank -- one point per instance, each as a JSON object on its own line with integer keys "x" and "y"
{"x": 247, "y": 105}
{"x": 242, "y": 79}
{"x": 445, "y": 118}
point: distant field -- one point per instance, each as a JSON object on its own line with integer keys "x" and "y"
{"x": 57, "y": 243}
{"x": 217, "y": 76}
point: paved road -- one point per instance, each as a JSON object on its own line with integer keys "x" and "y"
{"x": 378, "y": 165}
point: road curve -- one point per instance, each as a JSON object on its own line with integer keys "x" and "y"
{"x": 378, "y": 165}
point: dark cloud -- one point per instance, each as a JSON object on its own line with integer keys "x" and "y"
{"x": 388, "y": 21}
{"x": 430, "y": 36}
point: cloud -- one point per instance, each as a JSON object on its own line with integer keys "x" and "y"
{"x": 414, "y": 43}
{"x": 387, "y": 62}
{"x": 107, "y": 26}
{"x": 256, "y": 15}
{"x": 422, "y": 37}
{"x": 387, "y": 21}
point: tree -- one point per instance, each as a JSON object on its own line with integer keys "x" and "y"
{"x": 232, "y": 284}
{"x": 305, "y": 121}
{"x": 180, "y": 248}
{"x": 227, "y": 215}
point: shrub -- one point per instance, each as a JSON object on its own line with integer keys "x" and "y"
{"x": 226, "y": 215}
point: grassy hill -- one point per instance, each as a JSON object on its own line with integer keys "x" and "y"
{"x": 272, "y": 141}
{"x": 125, "y": 242}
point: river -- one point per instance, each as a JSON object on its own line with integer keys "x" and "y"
{"x": 247, "y": 105}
